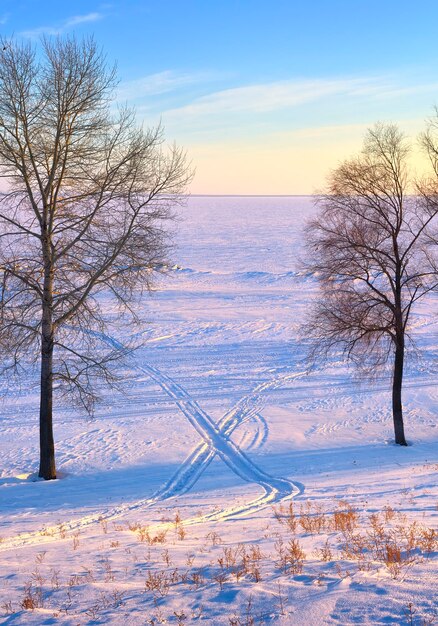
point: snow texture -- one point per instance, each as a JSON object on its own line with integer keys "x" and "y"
{"x": 218, "y": 423}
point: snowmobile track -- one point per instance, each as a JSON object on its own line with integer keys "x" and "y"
{"x": 215, "y": 440}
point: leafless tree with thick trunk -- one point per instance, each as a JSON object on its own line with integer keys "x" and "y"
{"x": 88, "y": 195}
{"x": 368, "y": 248}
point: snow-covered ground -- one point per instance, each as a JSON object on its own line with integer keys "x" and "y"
{"x": 173, "y": 503}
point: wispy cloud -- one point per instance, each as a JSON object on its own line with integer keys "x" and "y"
{"x": 82, "y": 19}
{"x": 4, "y": 18}
{"x": 158, "y": 84}
{"x": 275, "y": 96}
{"x": 60, "y": 28}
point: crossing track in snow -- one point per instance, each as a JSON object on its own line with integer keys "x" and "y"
{"x": 196, "y": 463}
{"x": 215, "y": 440}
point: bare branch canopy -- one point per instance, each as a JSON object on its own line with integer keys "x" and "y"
{"x": 370, "y": 251}
{"x": 89, "y": 194}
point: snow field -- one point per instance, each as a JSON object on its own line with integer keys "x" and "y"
{"x": 217, "y": 432}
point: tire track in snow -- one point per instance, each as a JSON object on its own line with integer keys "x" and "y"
{"x": 216, "y": 440}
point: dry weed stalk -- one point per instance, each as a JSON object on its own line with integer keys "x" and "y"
{"x": 158, "y": 582}
{"x": 32, "y": 599}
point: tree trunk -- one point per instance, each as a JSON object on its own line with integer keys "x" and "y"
{"x": 397, "y": 410}
{"x": 47, "y": 444}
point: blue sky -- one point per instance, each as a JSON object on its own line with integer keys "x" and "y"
{"x": 265, "y": 96}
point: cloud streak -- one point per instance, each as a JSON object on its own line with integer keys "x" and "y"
{"x": 158, "y": 84}
{"x": 281, "y": 95}
{"x": 67, "y": 24}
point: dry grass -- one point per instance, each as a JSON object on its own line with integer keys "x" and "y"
{"x": 347, "y": 541}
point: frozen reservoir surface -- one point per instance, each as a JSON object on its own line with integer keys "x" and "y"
{"x": 174, "y": 501}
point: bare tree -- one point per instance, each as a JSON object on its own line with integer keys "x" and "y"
{"x": 368, "y": 249}
{"x": 429, "y": 143}
{"x": 88, "y": 195}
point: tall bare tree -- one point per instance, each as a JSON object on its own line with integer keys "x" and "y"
{"x": 368, "y": 249}
{"x": 88, "y": 195}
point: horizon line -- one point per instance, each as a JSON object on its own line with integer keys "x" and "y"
{"x": 251, "y": 195}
